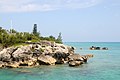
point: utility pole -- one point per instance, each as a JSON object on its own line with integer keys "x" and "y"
{"x": 11, "y": 26}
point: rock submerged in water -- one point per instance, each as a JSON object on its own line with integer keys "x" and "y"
{"x": 42, "y": 53}
{"x": 76, "y": 59}
{"x": 98, "y": 48}
{"x": 75, "y": 63}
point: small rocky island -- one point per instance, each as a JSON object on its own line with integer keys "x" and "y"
{"x": 24, "y": 49}
{"x": 40, "y": 53}
{"x": 98, "y": 48}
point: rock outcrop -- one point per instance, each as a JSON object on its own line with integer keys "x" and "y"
{"x": 75, "y": 63}
{"x": 76, "y": 59}
{"x": 98, "y": 48}
{"x": 46, "y": 59}
{"x": 41, "y": 53}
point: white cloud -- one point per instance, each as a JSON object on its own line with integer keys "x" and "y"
{"x": 44, "y": 5}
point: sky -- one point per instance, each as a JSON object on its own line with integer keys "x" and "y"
{"x": 77, "y": 20}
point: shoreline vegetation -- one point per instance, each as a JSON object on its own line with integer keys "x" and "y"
{"x": 12, "y": 37}
{"x": 23, "y": 49}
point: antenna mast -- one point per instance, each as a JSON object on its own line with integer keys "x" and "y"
{"x": 11, "y": 26}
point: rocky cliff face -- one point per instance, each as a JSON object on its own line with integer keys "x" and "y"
{"x": 42, "y": 53}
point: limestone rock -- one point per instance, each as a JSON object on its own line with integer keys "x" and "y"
{"x": 12, "y": 65}
{"x": 5, "y": 55}
{"x": 44, "y": 52}
{"x": 75, "y": 63}
{"x": 75, "y": 57}
{"x": 60, "y": 48}
{"x": 46, "y": 59}
{"x": 22, "y": 53}
{"x": 1, "y": 64}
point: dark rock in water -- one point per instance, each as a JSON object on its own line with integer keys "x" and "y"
{"x": 98, "y": 48}
{"x": 76, "y": 59}
{"x": 75, "y": 63}
{"x": 104, "y": 48}
{"x": 94, "y": 48}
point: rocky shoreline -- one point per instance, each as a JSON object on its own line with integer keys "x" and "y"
{"x": 41, "y": 53}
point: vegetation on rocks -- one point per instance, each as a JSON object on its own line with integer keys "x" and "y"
{"x": 31, "y": 49}
{"x": 12, "y": 37}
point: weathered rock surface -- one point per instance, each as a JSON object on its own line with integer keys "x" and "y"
{"x": 5, "y": 54}
{"x": 46, "y": 59}
{"x": 45, "y": 52}
{"x": 76, "y": 59}
{"x": 75, "y": 63}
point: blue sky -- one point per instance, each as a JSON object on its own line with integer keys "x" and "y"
{"x": 77, "y": 20}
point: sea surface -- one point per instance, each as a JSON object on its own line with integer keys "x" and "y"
{"x": 105, "y": 65}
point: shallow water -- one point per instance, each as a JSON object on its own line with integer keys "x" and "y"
{"x": 105, "y": 65}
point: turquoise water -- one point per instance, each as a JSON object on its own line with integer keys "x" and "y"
{"x": 105, "y": 65}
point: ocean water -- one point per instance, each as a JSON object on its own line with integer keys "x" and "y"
{"x": 105, "y": 65}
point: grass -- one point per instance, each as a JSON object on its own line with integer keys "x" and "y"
{"x": 20, "y": 44}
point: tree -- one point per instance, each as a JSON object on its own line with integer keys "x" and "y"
{"x": 59, "y": 39}
{"x": 0, "y": 28}
{"x": 13, "y": 31}
{"x": 51, "y": 38}
{"x": 35, "y": 31}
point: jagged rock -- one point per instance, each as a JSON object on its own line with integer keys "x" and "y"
{"x": 75, "y": 63}
{"x": 5, "y": 55}
{"x": 48, "y": 50}
{"x": 60, "y": 48}
{"x": 45, "y": 52}
{"x": 1, "y": 64}
{"x": 22, "y": 53}
{"x": 12, "y": 65}
{"x": 61, "y": 57}
{"x": 46, "y": 59}
{"x": 75, "y": 57}
{"x": 71, "y": 50}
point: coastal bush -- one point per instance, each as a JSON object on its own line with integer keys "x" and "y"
{"x": 12, "y": 37}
